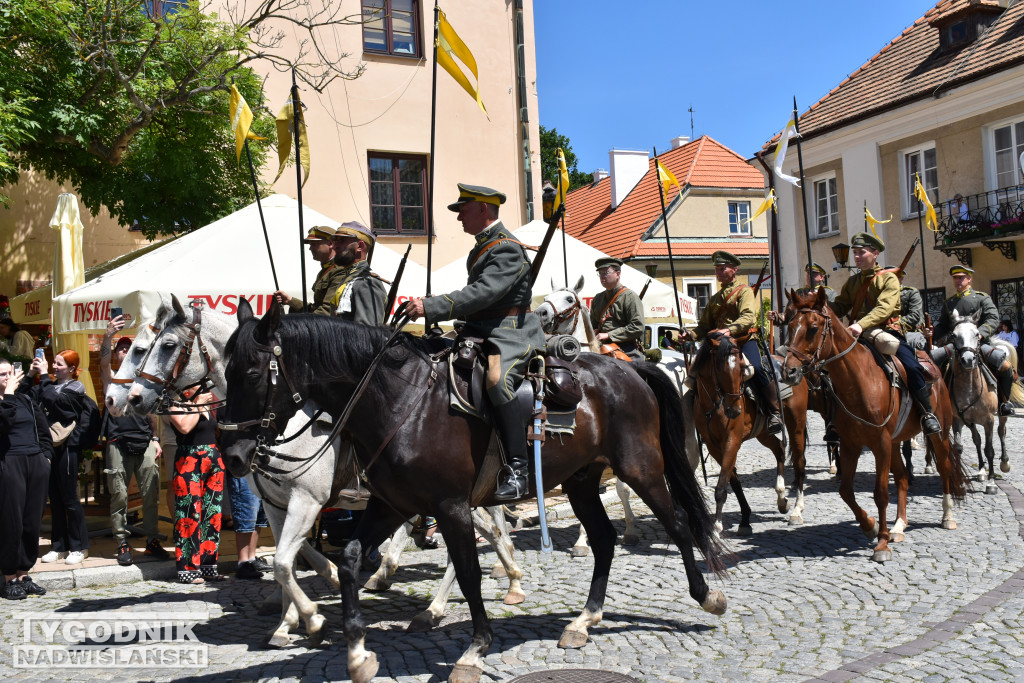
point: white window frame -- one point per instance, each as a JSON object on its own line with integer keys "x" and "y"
{"x": 742, "y": 229}
{"x": 908, "y": 205}
{"x": 834, "y": 229}
{"x": 989, "y": 151}
{"x": 709, "y": 281}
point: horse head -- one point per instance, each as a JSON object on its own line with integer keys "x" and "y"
{"x": 718, "y": 367}
{"x": 560, "y": 310}
{"x": 966, "y": 339}
{"x": 810, "y": 322}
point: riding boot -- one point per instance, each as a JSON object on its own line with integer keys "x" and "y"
{"x": 774, "y": 417}
{"x": 508, "y": 422}
{"x": 1005, "y": 385}
{"x": 929, "y": 423}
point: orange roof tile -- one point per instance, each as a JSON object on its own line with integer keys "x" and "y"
{"x": 701, "y": 163}
{"x": 912, "y": 67}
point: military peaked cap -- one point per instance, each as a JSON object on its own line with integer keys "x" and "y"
{"x": 958, "y": 269}
{"x": 816, "y": 268}
{"x": 476, "y": 193}
{"x": 608, "y": 261}
{"x": 724, "y": 258}
{"x": 357, "y": 230}
{"x": 318, "y": 233}
{"x": 866, "y": 239}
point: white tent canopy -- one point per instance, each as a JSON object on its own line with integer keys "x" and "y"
{"x": 216, "y": 264}
{"x": 658, "y": 301}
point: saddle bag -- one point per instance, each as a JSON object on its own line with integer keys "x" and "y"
{"x": 563, "y": 387}
{"x": 884, "y": 342}
{"x": 466, "y": 351}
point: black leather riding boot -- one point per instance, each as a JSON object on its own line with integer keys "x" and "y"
{"x": 929, "y": 423}
{"x": 774, "y": 417}
{"x": 1005, "y": 387}
{"x": 508, "y": 422}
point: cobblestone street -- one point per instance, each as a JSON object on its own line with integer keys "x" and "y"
{"x": 805, "y": 602}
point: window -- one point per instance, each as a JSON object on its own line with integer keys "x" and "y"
{"x": 826, "y": 207}
{"x": 398, "y": 191}
{"x": 1008, "y": 142}
{"x": 392, "y": 27}
{"x": 739, "y": 214}
{"x": 919, "y": 162}
{"x": 701, "y": 293}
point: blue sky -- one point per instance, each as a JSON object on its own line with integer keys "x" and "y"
{"x": 632, "y": 69}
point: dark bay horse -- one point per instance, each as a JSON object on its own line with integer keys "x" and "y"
{"x": 419, "y": 456}
{"x": 726, "y": 417}
{"x": 867, "y": 409}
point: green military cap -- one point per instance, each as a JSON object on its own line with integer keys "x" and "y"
{"x": 476, "y": 193}
{"x": 608, "y": 261}
{"x": 866, "y": 239}
{"x": 319, "y": 233}
{"x": 815, "y": 267}
{"x": 357, "y": 230}
{"x": 724, "y": 258}
{"x": 961, "y": 269}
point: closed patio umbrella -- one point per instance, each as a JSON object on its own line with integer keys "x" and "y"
{"x": 69, "y": 273}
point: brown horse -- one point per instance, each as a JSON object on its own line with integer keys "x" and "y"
{"x": 417, "y": 455}
{"x": 726, "y": 417}
{"x": 867, "y": 415}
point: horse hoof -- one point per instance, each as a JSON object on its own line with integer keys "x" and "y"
{"x": 744, "y": 530}
{"x": 630, "y": 540}
{"x": 375, "y": 585}
{"x": 949, "y": 524}
{"x": 579, "y": 551}
{"x": 796, "y": 520}
{"x": 278, "y": 640}
{"x": 421, "y": 623}
{"x": 881, "y": 556}
{"x": 498, "y": 571}
{"x": 364, "y": 673}
{"x": 1004, "y": 465}
{"x": 463, "y": 673}
{"x": 898, "y": 538}
{"x": 784, "y": 505}
{"x": 514, "y": 598}
{"x": 715, "y": 603}
{"x": 832, "y": 469}
{"x": 572, "y": 640}
{"x": 873, "y": 531}
{"x": 991, "y": 488}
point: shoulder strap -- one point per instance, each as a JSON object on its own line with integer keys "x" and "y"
{"x": 608, "y": 307}
{"x": 735, "y": 293}
{"x": 858, "y": 300}
{"x": 496, "y": 243}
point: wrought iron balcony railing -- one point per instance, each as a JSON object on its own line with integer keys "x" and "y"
{"x": 992, "y": 219}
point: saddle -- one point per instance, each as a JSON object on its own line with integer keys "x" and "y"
{"x": 894, "y": 369}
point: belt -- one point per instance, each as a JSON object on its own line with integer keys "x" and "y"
{"x": 499, "y": 313}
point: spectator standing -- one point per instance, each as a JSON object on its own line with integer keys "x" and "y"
{"x": 63, "y": 399}
{"x": 25, "y": 453}
{"x": 133, "y": 448}
{"x": 198, "y": 483}
{"x": 248, "y": 517}
{"x": 17, "y": 341}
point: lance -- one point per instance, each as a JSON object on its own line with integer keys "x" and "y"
{"x": 644, "y": 290}
{"x": 296, "y": 113}
{"x": 393, "y": 292}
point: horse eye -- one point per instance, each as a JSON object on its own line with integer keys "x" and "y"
{"x": 170, "y": 344}
{"x": 811, "y": 331}
{"x": 252, "y": 377}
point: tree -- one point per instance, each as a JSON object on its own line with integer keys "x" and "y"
{"x": 550, "y": 141}
{"x": 127, "y": 99}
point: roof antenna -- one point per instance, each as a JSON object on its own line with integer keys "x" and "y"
{"x": 691, "y": 120}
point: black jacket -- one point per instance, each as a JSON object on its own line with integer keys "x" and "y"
{"x": 62, "y": 403}
{"x": 23, "y": 426}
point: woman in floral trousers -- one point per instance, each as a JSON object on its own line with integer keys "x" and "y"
{"x": 198, "y": 485}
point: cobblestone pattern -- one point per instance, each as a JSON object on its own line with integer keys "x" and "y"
{"x": 805, "y": 602}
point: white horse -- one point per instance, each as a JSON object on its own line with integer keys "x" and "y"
{"x": 562, "y": 312}
{"x": 975, "y": 402}
{"x": 183, "y": 349}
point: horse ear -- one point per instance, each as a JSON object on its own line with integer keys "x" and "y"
{"x": 955, "y": 317}
{"x": 976, "y": 316}
{"x": 821, "y": 299}
{"x": 178, "y": 308}
{"x": 244, "y": 311}
{"x": 269, "y": 323}
{"x": 553, "y": 287}
{"x": 579, "y": 285}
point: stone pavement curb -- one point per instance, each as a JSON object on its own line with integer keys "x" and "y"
{"x": 105, "y": 576}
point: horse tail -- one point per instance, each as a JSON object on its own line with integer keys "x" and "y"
{"x": 682, "y": 481}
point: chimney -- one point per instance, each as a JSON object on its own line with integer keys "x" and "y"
{"x": 627, "y": 168}
{"x": 679, "y": 141}
{"x": 600, "y": 174}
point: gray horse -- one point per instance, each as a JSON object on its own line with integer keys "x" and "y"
{"x": 975, "y": 400}
{"x": 294, "y": 498}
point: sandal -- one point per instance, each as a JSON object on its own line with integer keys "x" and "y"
{"x": 190, "y": 577}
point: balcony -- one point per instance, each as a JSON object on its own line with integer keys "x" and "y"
{"x": 994, "y": 220}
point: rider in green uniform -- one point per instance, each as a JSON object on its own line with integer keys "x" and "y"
{"x": 617, "y": 313}
{"x": 817, "y": 277}
{"x": 361, "y": 295}
{"x": 321, "y": 246}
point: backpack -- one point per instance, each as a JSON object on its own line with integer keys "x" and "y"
{"x": 90, "y": 425}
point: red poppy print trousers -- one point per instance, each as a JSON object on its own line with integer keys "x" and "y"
{"x": 198, "y": 490}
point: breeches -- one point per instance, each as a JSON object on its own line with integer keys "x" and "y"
{"x": 915, "y": 375}
{"x": 753, "y": 355}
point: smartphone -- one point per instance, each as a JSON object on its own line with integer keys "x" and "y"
{"x": 40, "y": 354}
{"x": 115, "y": 311}
{"x": 16, "y": 365}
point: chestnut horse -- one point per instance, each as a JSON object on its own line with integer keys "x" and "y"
{"x": 726, "y": 417}
{"x": 419, "y": 456}
{"x": 867, "y": 415}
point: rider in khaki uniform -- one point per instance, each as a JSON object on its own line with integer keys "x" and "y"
{"x": 817, "y": 277}
{"x": 360, "y": 295}
{"x": 966, "y": 302}
{"x": 327, "y": 280}
{"x": 495, "y": 305}
{"x": 732, "y": 310}
{"x": 876, "y": 296}
{"x": 616, "y": 313}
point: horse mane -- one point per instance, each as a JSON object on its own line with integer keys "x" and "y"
{"x": 704, "y": 352}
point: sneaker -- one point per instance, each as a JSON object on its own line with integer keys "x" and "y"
{"x": 31, "y": 587}
{"x": 262, "y": 565}
{"x": 76, "y": 557}
{"x": 124, "y": 554}
{"x": 52, "y": 556}
{"x": 13, "y": 590}
{"x": 248, "y": 572}
{"x": 154, "y": 549}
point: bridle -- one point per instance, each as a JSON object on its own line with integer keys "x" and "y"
{"x": 171, "y": 395}
{"x": 959, "y": 352}
{"x": 571, "y": 313}
{"x": 718, "y": 400}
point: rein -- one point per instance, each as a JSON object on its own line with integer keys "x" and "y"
{"x": 719, "y": 399}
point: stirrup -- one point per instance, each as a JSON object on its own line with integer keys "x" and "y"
{"x": 1006, "y": 409}
{"x": 516, "y": 485}
{"x": 831, "y": 434}
{"x": 774, "y": 424}
{"x": 929, "y": 419}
